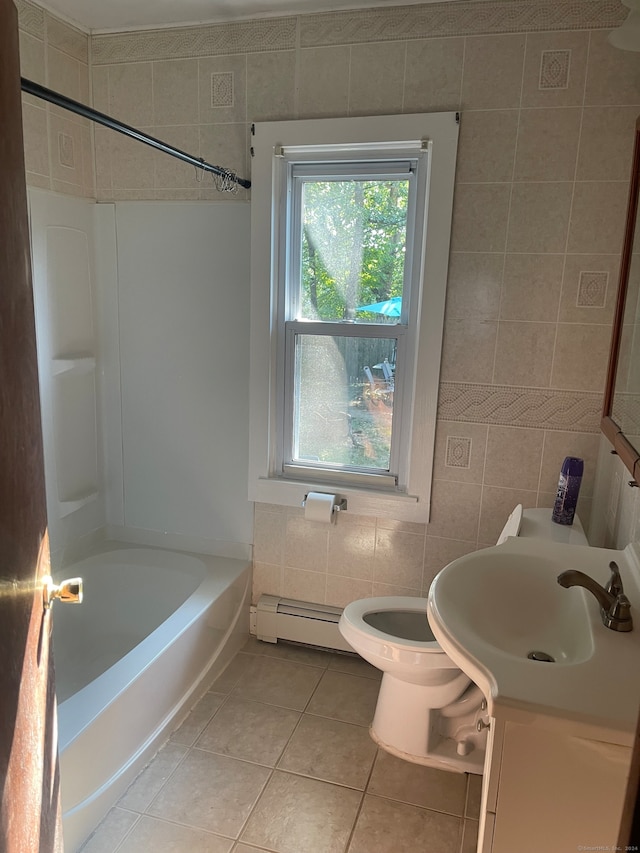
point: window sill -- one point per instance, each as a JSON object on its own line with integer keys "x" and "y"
{"x": 361, "y": 502}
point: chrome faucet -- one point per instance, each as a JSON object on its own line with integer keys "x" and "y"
{"x": 615, "y": 607}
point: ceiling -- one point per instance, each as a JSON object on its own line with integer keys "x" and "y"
{"x": 118, "y": 15}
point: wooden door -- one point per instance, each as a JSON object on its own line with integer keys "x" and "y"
{"x": 29, "y": 778}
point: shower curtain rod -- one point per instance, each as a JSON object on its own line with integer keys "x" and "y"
{"x": 101, "y": 118}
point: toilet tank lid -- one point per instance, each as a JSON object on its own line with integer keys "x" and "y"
{"x": 537, "y": 523}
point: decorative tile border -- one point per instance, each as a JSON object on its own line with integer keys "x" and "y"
{"x": 68, "y": 39}
{"x": 458, "y": 19}
{"x": 30, "y": 18}
{"x": 187, "y": 42}
{"x": 542, "y": 408}
{"x": 430, "y": 20}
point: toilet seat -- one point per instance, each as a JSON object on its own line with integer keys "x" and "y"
{"x": 372, "y": 642}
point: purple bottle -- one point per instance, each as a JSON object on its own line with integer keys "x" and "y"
{"x": 564, "y": 507}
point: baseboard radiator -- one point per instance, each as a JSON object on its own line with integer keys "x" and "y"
{"x": 299, "y": 621}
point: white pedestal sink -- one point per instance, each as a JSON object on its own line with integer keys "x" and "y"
{"x": 561, "y": 732}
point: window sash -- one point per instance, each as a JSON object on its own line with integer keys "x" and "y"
{"x": 401, "y": 409}
{"x": 368, "y": 165}
{"x": 291, "y": 227}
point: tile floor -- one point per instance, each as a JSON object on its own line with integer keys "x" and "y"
{"x": 277, "y": 757}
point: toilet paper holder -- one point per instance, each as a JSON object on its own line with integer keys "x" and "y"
{"x": 340, "y": 504}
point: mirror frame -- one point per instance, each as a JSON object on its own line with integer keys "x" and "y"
{"x": 629, "y": 455}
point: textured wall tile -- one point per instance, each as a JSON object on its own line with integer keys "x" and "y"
{"x": 531, "y": 287}
{"x": 129, "y": 92}
{"x": 376, "y": 79}
{"x": 524, "y": 353}
{"x": 547, "y": 144}
{"x": 492, "y": 72}
{"x": 589, "y": 289}
{"x": 597, "y": 217}
{"x": 480, "y": 215}
{"x": 175, "y": 92}
{"x": 271, "y": 86}
{"x": 606, "y": 143}
{"x": 468, "y": 350}
{"x": 323, "y": 82}
{"x": 474, "y": 286}
{"x": 487, "y": 144}
{"x": 433, "y": 76}
{"x": 555, "y": 68}
{"x": 68, "y": 39}
{"x": 513, "y": 458}
{"x": 571, "y": 369}
{"x": 460, "y": 452}
{"x": 34, "y": 127}
{"x": 612, "y": 74}
{"x": 222, "y": 89}
{"x": 539, "y": 217}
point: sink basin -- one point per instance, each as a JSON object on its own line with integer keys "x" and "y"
{"x": 513, "y": 605}
{"x": 491, "y": 609}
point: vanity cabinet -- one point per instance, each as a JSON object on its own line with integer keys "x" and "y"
{"x": 547, "y": 790}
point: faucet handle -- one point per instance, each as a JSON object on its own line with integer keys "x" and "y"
{"x": 619, "y": 615}
{"x": 614, "y": 586}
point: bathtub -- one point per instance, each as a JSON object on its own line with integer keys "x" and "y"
{"x": 154, "y": 630}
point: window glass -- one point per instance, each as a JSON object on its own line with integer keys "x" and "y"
{"x": 343, "y": 401}
{"x": 353, "y": 238}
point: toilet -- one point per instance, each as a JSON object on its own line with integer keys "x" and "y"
{"x": 428, "y": 711}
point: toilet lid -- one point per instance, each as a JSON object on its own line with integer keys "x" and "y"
{"x": 405, "y": 624}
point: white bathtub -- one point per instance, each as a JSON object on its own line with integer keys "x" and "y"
{"x": 155, "y": 629}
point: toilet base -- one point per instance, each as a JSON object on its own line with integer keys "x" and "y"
{"x": 407, "y": 727}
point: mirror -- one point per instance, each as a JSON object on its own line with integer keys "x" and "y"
{"x": 621, "y": 413}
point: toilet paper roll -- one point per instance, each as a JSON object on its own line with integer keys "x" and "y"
{"x": 319, "y": 507}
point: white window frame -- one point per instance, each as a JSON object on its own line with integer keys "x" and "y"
{"x": 275, "y": 145}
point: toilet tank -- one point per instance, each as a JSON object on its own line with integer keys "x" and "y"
{"x": 536, "y": 523}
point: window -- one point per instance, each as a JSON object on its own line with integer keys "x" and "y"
{"x": 350, "y": 237}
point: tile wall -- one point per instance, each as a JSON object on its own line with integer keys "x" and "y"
{"x": 58, "y": 144}
{"x": 548, "y": 109}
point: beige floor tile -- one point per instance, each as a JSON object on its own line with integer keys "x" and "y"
{"x": 146, "y": 786}
{"x": 211, "y": 792}
{"x": 110, "y": 832}
{"x": 196, "y": 722}
{"x": 330, "y": 750}
{"x": 428, "y": 787}
{"x": 354, "y": 665}
{"x": 230, "y": 677}
{"x": 288, "y": 651}
{"x": 151, "y": 834}
{"x": 252, "y": 731}
{"x": 470, "y": 837}
{"x": 345, "y": 697}
{"x": 277, "y": 682}
{"x": 244, "y": 848}
{"x": 385, "y": 826}
{"x": 474, "y": 794}
{"x": 296, "y": 814}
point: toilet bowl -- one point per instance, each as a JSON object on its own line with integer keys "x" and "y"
{"x": 428, "y": 711}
